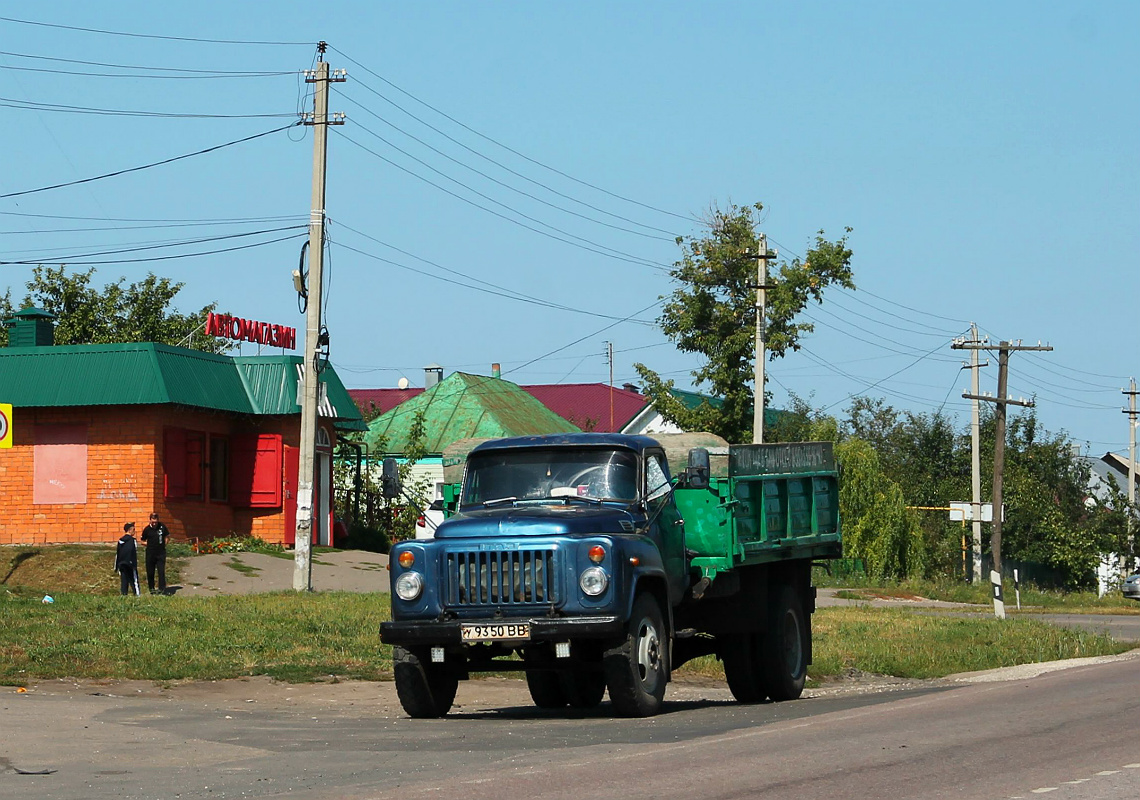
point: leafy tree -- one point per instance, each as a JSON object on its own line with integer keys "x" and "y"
{"x": 136, "y": 312}
{"x": 713, "y": 312}
{"x": 382, "y": 520}
{"x": 876, "y": 524}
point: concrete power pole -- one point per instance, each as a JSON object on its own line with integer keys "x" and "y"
{"x": 976, "y": 455}
{"x": 310, "y": 367}
{"x": 1001, "y": 401}
{"x": 1125, "y": 567}
{"x": 762, "y": 256}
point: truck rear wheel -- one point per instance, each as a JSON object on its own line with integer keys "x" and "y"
{"x": 636, "y": 669}
{"x": 785, "y": 653}
{"x": 426, "y": 690}
{"x": 742, "y": 654}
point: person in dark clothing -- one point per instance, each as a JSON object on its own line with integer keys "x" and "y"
{"x": 127, "y": 560}
{"x": 155, "y": 535}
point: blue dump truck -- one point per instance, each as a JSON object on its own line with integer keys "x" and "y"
{"x": 582, "y": 561}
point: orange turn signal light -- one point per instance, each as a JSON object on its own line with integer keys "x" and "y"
{"x": 406, "y": 559}
{"x": 634, "y": 560}
{"x": 597, "y": 554}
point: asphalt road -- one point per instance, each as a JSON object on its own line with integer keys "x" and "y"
{"x": 1010, "y": 734}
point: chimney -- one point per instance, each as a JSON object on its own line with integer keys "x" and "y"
{"x": 496, "y": 371}
{"x": 433, "y": 374}
{"x": 629, "y": 387}
{"x": 31, "y": 327}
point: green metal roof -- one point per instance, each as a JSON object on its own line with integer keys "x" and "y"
{"x": 693, "y": 400}
{"x": 146, "y": 373}
{"x": 465, "y": 406}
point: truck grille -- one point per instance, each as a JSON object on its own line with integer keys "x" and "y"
{"x": 500, "y": 577}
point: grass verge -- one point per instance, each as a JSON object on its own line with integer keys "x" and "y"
{"x": 303, "y": 637}
{"x": 288, "y": 636}
{"x": 69, "y": 568}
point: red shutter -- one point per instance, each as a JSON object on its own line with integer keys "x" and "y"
{"x": 256, "y": 472}
{"x": 174, "y": 462}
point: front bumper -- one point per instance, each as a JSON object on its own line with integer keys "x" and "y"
{"x": 542, "y": 629}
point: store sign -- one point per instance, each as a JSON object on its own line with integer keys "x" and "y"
{"x": 5, "y": 424}
{"x": 247, "y": 330}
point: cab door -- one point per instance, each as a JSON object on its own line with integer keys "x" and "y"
{"x": 666, "y": 528}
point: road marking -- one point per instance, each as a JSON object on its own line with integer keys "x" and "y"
{"x": 1109, "y": 772}
{"x": 1044, "y": 790}
{"x": 1079, "y": 780}
{"x": 1132, "y": 766}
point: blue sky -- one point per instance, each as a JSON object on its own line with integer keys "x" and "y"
{"x": 983, "y": 153}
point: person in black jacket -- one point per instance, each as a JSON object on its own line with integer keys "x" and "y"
{"x": 127, "y": 560}
{"x": 155, "y": 535}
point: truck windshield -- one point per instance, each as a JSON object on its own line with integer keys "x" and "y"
{"x": 554, "y": 474}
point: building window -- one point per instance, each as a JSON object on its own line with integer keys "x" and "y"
{"x": 60, "y": 465}
{"x": 219, "y": 469}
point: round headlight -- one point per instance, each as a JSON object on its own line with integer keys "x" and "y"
{"x": 593, "y": 581}
{"x": 409, "y": 585}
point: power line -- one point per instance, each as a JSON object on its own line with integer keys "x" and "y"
{"x": 148, "y": 166}
{"x": 496, "y": 180}
{"x": 510, "y": 149}
{"x": 619, "y": 257}
{"x": 74, "y": 258}
{"x": 212, "y": 73}
{"x": 182, "y": 255}
{"x": 31, "y": 105}
{"x": 148, "y": 35}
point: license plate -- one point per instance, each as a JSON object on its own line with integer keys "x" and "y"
{"x": 495, "y": 632}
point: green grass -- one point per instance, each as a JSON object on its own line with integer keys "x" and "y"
{"x": 903, "y": 644}
{"x": 86, "y": 569}
{"x": 957, "y": 591}
{"x": 288, "y": 636}
{"x": 243, "y": 568}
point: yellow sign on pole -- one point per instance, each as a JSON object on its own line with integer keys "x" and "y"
{"x": 5, "y": 425}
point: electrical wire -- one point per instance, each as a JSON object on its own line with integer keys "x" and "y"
{"x": 149, "y": 166}
{"x": 212, "y": 73}
{"x": 75, "y": 257}
{"x": 180, "y": 255}
{"x": 629, "y": 259}
{"x": 492, "y": 178}
{"x": 29, "y": 105}
{"x": 502, "y": 289}
{"x": 506, "y": 147}
{"x": 148, "y": 35}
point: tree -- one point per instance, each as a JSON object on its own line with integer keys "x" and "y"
{"x": 713, "y": 312}
{"x": 138, "y": 312}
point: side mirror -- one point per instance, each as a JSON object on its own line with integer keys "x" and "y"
{"x": 390, "y": 479}
{"x": 697, "y": 473}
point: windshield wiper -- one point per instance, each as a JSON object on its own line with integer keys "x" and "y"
{"x": 499, "y": 501}
{"x": 566, "y": 498}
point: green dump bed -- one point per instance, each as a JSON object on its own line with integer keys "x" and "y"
{"x": 779, "y": 502}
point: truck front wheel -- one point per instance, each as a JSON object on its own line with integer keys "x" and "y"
{"x": 785, "y": 656}
{"x": 426, "y": 690}
{"x": 636, "y": 669}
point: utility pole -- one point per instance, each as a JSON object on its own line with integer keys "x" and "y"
{"x": 976, "y": 455}
{"x": 1125, "y": 567}
{"x": 311, "y": 366}
{"x": 762, "y": 257}
{"x": 610, "y": 361}
{"x": 1001, "y": 401}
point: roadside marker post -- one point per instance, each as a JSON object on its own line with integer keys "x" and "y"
{"x": 999, "y": 603}
{"x": 1017, "y": 589}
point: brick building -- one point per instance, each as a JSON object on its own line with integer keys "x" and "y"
{"x": 104, "y": 434}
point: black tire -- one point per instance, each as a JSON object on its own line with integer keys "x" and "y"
{"x": 744, "y": 666}
{"x": 546, "y": 688}
{"x": 636, "y": 670}
{"x": 786, "y": 648}
{"x": 584, "y": 689}
{"x": 426, "y": 690}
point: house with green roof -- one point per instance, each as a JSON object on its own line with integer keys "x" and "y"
{"x": 463, "y": 406}
{"x": 105, "y": 434}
